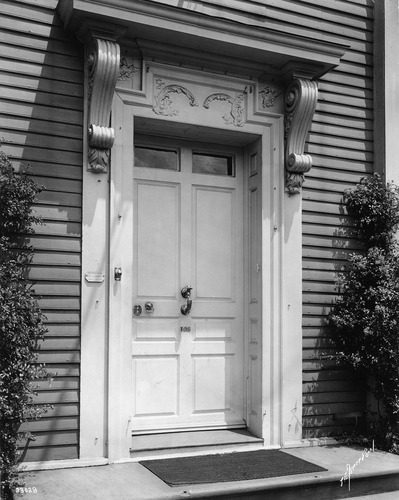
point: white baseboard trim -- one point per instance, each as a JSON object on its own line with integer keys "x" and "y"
{"x": 327, "y": 441}
{"x": 61, "y": 464}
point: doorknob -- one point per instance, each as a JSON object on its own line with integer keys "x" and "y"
{"x": 186, "y": 293}
{"x": 149, "y": 307}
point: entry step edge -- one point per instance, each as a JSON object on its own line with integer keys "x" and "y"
{"x": 192, "y": 440}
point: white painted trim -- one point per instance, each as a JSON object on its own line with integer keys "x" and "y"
{"x": 94, "y": 314}
{"x": 61, "y": 464}
{"x": 312, "y": 442}
{"x": 120, "y": 293}
{"x": 386, "y": 74}
{"x": 272, "y": 186}
{"x": 291, "y": 321}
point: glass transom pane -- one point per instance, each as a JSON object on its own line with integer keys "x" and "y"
{"x": 167, "y": 159}
{"x": 205, "y": 163}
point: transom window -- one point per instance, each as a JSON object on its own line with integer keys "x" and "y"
{"x": 167, "y": 159}
{"x": 205, "y": 163}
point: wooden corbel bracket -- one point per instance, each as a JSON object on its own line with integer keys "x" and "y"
{"x": 300, "y": 105}
{"x": 103, "y": 69}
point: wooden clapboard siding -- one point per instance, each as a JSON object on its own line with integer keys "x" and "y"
{"x": 341, "y": 144}
{"x": 41, "y": 81}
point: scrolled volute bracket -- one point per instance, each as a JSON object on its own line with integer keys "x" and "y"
{"x": 300, "y": 105}
{"x": 103, "y": 70}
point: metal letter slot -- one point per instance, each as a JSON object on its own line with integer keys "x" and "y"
{"x": 186, "y": 293}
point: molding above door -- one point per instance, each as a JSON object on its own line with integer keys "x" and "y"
{"x": 279, "y": 51}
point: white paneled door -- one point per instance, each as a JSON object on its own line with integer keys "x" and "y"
{"x": 187, "y": 339}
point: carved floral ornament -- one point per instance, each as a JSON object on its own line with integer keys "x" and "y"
{"x": 268, "y": 96}
{"x": 126, "y": 70}
{"x": 163, "y": 102}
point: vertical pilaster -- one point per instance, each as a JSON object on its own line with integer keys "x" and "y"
{"x": 386, "y": 88}
{"x": 300, "y": 105}
{"x": 101, "y": 74}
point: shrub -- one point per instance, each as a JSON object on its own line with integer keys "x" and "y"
{"x": 365, "y": 318}
{"x": 21, "y": 321}
{"x": 374, "y": 208}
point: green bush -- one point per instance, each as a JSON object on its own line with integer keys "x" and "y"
{"x": 365, "y": 318}
{"x": 374, "y": 208}
{"x": 21, "y": 321}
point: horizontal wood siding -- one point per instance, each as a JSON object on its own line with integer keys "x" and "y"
{"x": 41, "y": 80}
{"x": 341, "y": 144}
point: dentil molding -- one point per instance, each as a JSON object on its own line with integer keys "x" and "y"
{"x": 103, "y": 71}
{"x": 300, "y": 105}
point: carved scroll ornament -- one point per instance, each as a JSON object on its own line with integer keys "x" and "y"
{"x": 103, "y": 70}
{"x": 237, "y": 110}
{"x": 163, "y": 100}
{"x": 300, "y": 105}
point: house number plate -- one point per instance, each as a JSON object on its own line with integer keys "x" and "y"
{"x": 185, "y": 329}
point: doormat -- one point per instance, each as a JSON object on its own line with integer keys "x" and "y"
{"x": 240, "y": 466}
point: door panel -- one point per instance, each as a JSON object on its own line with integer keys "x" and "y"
{"x": 214, "y": 242}
{"x": 212, "y": 383}
{"x": 157, "y": 208}
{"x": 157, "y": 390}
{"x": 188, "y": 230}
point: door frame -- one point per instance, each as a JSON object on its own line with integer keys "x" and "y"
{"x": 228, "y": 184}
{"x": 281, "y": 349}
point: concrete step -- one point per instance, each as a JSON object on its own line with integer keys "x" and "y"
{"x": 192, "y": 443}
{"x": 374, "y": 474}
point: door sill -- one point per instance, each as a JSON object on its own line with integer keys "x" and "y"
{"x": 168, "y": 444}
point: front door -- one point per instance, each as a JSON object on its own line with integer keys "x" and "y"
{"x": 187, "y": 339}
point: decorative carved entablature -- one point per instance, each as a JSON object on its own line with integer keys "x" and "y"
{"x": 184, "y": 38}
{"x": 300, "y": 105}
{"x": 167, "y": 103}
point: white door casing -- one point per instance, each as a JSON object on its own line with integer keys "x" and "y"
{"x": 275, "y": 409}
{"x": 188, "y": 230}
